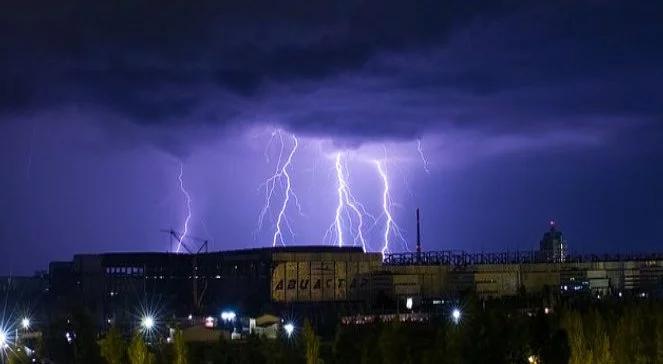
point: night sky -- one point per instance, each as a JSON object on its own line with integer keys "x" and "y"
{"x": 525, "y": 111}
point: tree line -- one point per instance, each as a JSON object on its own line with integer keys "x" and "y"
{"x": 587, "y": 333}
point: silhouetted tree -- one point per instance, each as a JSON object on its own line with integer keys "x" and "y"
{"x": 17, "y": 356}
{"x": 139, "y": 352}
{"x": 180, "y": 349}
{"x": 86, "y": 348}
{"x": 596, "y": 335}
{"x": 659, "y": 338}
{"x": 580, "y": 352}
{"x": 311, "y": 343}
{"x": 113, "y": 348}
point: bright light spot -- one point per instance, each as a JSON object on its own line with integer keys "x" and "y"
{"x": 532, "y": 359}
{"x": 289, "y": 329}
{"x": 546, "y": 310}
{"x": 190, "y": 317}
{"x": 25, "y": 323}
{"x": 455, "y": 315}
{"x": 620, "y": 294}
{"x": 147, "y": 323}
{"x": 228, "y": 316}
{"x": 409, "y": 303}
{"x": 209, "y": 322}
{"x": 3, "y": 339}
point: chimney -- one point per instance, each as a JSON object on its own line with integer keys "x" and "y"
{"x": 418, "y": 236}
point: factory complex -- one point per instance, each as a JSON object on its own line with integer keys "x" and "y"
{"x": 344, "y": 280}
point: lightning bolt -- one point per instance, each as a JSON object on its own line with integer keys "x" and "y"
{"x": 187, "y": 197}
{"x": 390, "y": 225}
{"x": 282, "y": 178}
{"x": 348, "y": 203}
{"x": 423, "y": 156}
{"x": 286, "y": 198}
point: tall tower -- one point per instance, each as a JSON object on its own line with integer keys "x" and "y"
{"x": 553, "y": 247}
{"x": 418, "y": 237}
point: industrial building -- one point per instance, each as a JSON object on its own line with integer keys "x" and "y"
{"x": 340, "y": 279}
{"x": 258, "y": 280}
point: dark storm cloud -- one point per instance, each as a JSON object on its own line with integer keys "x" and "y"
{"x": 380, "y": 69}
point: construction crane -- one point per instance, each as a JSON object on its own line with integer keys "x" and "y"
{"x": 203, "y": 248}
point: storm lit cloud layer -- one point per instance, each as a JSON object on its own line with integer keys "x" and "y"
{"x": 524, "y": 111}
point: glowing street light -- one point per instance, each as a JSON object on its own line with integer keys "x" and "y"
{"x": 209, "y": 322}
{"x": 147, "y": 323}
{"x": 455, "y": 315}
{"x": 289, "y": 329}
{"x": 409, "y": 303}
{"x": 25, "y": 323}
{"x": 228, "y": 316}
{"x": 3, "y": 339}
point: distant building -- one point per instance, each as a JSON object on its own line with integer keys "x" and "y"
{"x": 112, "y": 286}
{"x": 317, "y": 281}
{"x": 24, "y": 290}
{"x": 553, "y": 247}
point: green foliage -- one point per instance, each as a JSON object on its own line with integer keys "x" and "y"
{"x": 181, "y": 352}
{"x": 580, "y": 351}
{"x": 138, "y": 351}
{"x": 607, "y": 334}
{"x": 587, "y": 333}
{"x": 113, "y": 348}
{"x": 658, "y": 356}
{"x": 598, "y": 339}
{"x": 629, "y": 338}
{"x": 312, "y": 344}
{"x": 86, "y": 348}
{"x": 17, "y": 356}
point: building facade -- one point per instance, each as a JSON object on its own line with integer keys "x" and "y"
{"x": 115, "y": 286}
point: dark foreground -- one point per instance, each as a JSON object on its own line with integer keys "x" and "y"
{"x": 586, "y": 332}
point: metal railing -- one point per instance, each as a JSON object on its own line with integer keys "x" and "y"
{"x": 462, "y": 258}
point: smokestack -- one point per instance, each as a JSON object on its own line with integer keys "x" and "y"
{"x": 418, "y": 235}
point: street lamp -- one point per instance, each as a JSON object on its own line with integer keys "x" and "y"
{"x": 3, "y": 339}
{"x": 455, "y": 315}
{"x": 25, "y": 323}
{"x": 289, "y": 329}
{"x": 409, "y": 303}
{"x": 147, "y": 323}
{"x": 228, "y": 316}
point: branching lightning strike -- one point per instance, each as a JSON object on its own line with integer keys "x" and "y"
{"x": 281, "y": 177}
{"x": 278, "y": 234}
{"x": 347, "y": 203}
{"x": 187, "y": 196}
{"x": 424, "y": 160}
{"x": 390, "y": 225}
{"x": 349, "y": 225}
